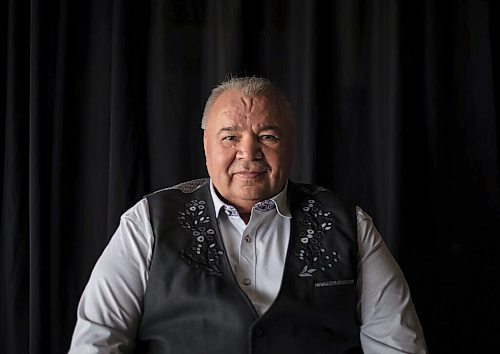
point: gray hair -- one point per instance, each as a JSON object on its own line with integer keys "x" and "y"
{"x": 250, "y": 86}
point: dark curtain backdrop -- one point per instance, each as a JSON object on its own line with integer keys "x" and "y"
{"x": 396, "y": 110}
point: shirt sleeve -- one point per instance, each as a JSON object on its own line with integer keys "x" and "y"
{"x": 110, "y": 307}
{"x": 389, "y": 323}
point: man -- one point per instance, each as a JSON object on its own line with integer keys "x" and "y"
{"x": 246, "y": 261}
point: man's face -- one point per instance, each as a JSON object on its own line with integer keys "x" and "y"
{"x": 248, "y": 148}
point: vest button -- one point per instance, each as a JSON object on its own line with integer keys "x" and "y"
{"x": 248, "y": 239}
{"x": 259, "y": 332}
{"x": 247, "y": 281}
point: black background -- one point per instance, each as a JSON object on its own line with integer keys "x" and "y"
{"x": 396, "y": 110}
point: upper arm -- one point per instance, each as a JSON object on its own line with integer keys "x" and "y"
{"x": 110, "y": 307}
{"x": 389, "y": 323}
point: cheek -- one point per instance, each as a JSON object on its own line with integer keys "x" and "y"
{"x": 278, "y": 160}
{"x": 221, "y": 159}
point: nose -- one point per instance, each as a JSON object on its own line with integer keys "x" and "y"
{"x": 249, "y": 149}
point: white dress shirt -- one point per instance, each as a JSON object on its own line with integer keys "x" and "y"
{"x": 111, "y": 305}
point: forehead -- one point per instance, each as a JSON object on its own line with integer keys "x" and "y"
{"x": 234, "y": 105}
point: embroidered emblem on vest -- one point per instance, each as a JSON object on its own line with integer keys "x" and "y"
{"x": 334, "y": 283}
{"x": 312, "y": 253}
{"x": 204, "y": 252}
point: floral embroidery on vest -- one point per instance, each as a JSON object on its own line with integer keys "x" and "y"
{"x": 204, "y": 252}
{"x": 312, "y": 253}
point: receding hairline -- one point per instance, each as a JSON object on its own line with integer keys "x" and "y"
{"x": 251, "y": 86}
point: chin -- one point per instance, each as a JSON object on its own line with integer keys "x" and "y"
{"x": 255, "y": 194}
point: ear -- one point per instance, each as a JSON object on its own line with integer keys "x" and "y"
{"x": 205, "y": 144}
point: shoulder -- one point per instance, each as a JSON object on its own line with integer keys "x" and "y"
{"x": 183, "y": 187}
{"x": 177, "y": 196}
{"x": 362, "y": 215}
{"x": 306, "y": 190}
{"x": 304, "y": 196}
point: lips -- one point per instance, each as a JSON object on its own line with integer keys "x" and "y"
{"x": 249, "y": 174}
{"x": 249, "y": 170}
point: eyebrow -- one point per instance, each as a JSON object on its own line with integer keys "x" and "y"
{"x": 227, "y": 129}
{"x": 235, "y": 128}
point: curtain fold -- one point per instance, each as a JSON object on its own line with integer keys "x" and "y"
{"x": 14, "y": 167}
{"x": 396, "y": 109}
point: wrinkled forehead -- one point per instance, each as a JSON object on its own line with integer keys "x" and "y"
{"x": 234, "y": 104}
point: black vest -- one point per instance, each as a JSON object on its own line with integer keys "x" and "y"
{"x": 193, "y": 303}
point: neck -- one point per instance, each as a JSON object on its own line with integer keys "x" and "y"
{"x": 245, "y": 217}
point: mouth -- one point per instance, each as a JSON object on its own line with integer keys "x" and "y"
{"x": 249, "y": 174}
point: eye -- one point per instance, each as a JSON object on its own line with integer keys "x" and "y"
{"x": 230, "y": 138}
{"x": 268, "y": 137}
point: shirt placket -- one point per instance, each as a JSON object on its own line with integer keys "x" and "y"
{"x": 248, "y": 259}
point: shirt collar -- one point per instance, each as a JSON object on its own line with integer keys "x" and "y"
{"x": 280, "y": 200}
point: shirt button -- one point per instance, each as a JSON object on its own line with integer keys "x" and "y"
{"x": 248, "y": 239}
{"x": 247, "y": 281}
